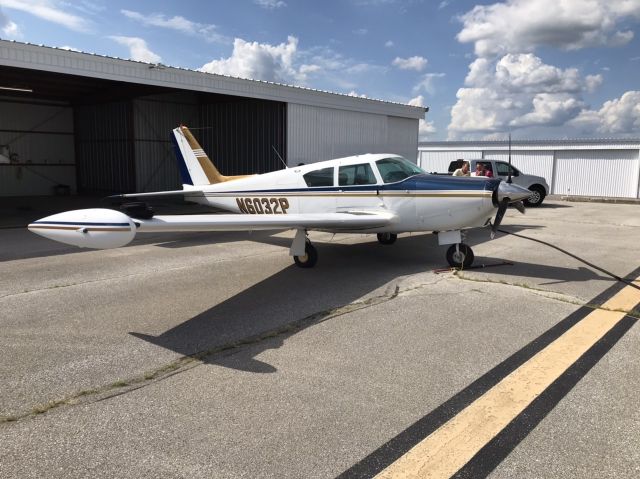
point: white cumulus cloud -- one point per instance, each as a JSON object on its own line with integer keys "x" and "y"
{"x": 261, "y": 61}
{"x": 517, "y": 91}
{"x": 138, "y": 49}
{"x": 270, "y": 4}
{"x": 426, "y": 129}
{"x": 427, "y": 83}
{"x": 518, "y": 26}
{"x": 416, "y": 63}
{"x": 51, "y": 11}
{"x": 8, "y": 28}
{"x": 619, "y": 117}
{"x": 178, "y": 23}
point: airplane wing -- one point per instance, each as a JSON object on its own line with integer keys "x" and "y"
{"x": 344, "y": 221}
{"x": 191, "y": 192}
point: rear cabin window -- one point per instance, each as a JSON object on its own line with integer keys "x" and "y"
{"x": 397, "y": 169}
{"x": 323, "y": 177}
{"x": 361, "y": 174}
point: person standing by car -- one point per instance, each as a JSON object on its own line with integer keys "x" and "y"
{"x": 463, "y": 170}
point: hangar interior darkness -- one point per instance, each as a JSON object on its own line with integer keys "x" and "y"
{"x": 98, "y": 136}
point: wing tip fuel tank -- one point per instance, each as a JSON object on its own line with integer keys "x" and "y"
{"x": 97, "y": 228}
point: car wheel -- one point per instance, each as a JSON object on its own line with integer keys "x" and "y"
{"x": 537, "y": 196}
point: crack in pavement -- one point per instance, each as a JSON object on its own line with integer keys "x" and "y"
{"x": 185, "y": 363}
{"x": 560, "y": 297}
{"x": 130, "y": 275}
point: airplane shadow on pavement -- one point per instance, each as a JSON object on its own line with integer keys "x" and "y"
{"x": 263, "y": 316}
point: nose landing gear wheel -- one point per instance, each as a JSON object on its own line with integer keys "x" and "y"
{"x": 387, "y": 238}
{"x": 309, "y": 259}
{"x": 462, "y": 257}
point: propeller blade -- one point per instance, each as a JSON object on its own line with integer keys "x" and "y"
{"x": 499, "y": 215}
{"x": 519, "y": 205}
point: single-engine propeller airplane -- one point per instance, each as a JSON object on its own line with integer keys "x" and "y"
{"x": 372, "y": 193}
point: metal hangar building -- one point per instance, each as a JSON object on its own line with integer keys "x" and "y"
{"x": 607, "y": 168}
{"x": 73, "y": 122}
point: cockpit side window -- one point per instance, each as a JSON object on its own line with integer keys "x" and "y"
{"x": 361, "y": 174}
{"x": 397, "y": 169}
{"x": 323, "y": 177}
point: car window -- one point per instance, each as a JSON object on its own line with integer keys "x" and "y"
{"x": 397, "y": 169}
{"x": 361, "y": 174}
{"x": 323, "y": 177}
{"x": 503, "y": 169}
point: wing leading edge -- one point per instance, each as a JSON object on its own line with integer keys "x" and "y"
{"x": 345, "y": 221}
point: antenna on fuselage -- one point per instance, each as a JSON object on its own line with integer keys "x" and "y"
{"x": 283, "y": 162}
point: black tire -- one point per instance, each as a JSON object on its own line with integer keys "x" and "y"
{"x": 537, "y": 196}
{"x": 310, "y": 258}
{"x": 387, "y": 238}
{"x": 463, "y": 258}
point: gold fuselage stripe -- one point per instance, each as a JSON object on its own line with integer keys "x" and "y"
{"x": 450, "y": 447}
{"x": 349, "y": 195}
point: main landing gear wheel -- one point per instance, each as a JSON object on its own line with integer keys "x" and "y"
{"x": 310, "y": 257}
{"x": 387, "y": 238}
{"x": 460, "y": 257}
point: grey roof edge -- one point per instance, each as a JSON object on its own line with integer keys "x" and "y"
{"x": 28, "y": 55}
{"x": 541, "y": 142}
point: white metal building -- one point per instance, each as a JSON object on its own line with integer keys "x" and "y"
{"x": 592, "y": 167}
{"x": 102, "y": 125}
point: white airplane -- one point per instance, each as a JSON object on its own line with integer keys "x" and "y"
{"x": 372, "y": 193}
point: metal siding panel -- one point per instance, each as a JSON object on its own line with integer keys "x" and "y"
{"x": 239, "y": 134}
{"x": 403, "y": 137}
{"x": 154, "y": 118}
{"x": 104, "y": 147}
{"x": 597, "y": 173}
{"x": 316, "y": 134}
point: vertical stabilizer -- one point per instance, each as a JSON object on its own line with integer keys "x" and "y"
{"x": 195, "y": 166}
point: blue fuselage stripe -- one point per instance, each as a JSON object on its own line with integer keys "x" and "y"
{"x": 413, "y": 183}
{"x": 78, "y": 223}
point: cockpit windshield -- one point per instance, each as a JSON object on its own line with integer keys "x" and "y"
{"x": 397, "y": 169}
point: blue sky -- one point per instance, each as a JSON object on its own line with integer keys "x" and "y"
{"x": 536, "y": 68}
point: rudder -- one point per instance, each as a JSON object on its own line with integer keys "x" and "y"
{"x": 195, "y": 166}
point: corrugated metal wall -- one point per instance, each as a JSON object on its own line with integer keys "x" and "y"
{"x": 538, "y": 163}
{"x": 239, "y": 134}
{"x": 104, "y": 148}
{"x": 38, "y": 138}
{"x": 597, "y": 173}
{"x": 607, "y": 168}
{"x": 316, "y": 134}
{"x": 438, "y": 161}
{"x": 126, "y": 146}
{"x": 402, "y": 137}
{"x": 154, "y": 117}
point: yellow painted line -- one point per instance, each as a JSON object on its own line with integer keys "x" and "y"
{"x": 449, "y": 448}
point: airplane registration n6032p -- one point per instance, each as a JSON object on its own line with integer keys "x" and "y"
{"x": 382, "y": 194}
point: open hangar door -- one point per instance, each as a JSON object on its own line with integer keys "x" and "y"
{"x": 65, "y": 134}
{"x": 36, "y": 147}
{"x": 240, "y": 135}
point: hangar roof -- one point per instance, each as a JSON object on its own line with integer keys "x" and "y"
{"x": 73, "y": 74}
{"x": 558, "y": 144}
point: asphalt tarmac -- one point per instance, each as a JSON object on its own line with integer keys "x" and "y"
{"x": 212, "y": 355}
